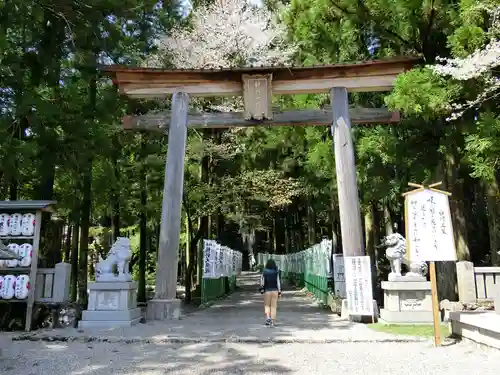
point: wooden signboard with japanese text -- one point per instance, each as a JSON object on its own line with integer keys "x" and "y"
{"x": 429, "y": 232}
{"x": 429, "y": 235}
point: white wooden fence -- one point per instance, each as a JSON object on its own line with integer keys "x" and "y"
{"x": 52, "y": 284}
{"x": 476, "y": 284}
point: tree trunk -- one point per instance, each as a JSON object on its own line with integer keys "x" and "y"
{"x": 67, "y": 243}
{"x": 299, "y": 229}
{"x": 288, "y": 240}
{"x": 202, "y": 223}
{"x": 446, "y": 271}
{"x": 84, "y": 237}
{"x": 74, "y": 255}
{"x": 311, "y": 224}
{"x": 141, "y": 291}
{"x": 13, "y": 186}
{"x": 335, "y": 221}
{"x": 372, "y": 239}
{"x": 493, "y": 206}
{"x": 388, "y": 221}
{"x": 87, "y": 196}
{"x": 115, "y": 190}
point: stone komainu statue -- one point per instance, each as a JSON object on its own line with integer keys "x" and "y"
{"x": 395, "y": 245}
{"x": 119, "y": 256}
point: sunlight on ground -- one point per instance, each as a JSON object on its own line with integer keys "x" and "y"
{"x": 89, "y": 370}
{"x": 425, "y": 330}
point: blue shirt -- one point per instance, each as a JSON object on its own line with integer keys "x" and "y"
{"x": 270, "y": 280}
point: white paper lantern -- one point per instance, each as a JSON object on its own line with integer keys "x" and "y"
{"x": 15, "y": 224}
{"x": 22, "y": 287}
{"x": 25, "y": 251}
{"x": 8, "y": 287}
{"x": 4, "y": 224}
{"x": 28, "y": 225}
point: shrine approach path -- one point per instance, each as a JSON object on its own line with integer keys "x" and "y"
{"x": 229, "y": 338}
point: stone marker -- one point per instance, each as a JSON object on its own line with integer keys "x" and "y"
{"x": 466, "y": 282}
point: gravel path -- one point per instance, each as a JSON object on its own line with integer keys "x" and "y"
{"x": 239, "y": 318}
{"x": 33, "y": 358}
{"x": 311, "y": 341}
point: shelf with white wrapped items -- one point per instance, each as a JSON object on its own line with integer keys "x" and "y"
{"x": 27, "y": 238}
{"x": 21, "y": 221}
{"x": 15, "y": 269}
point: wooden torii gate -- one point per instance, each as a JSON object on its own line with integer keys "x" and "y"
{"x": 257, "y": 85}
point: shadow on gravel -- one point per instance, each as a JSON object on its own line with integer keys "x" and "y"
{"x": 151, "y": 359}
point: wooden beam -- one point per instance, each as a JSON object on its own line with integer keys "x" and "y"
{"x": 170, "y": 227}
{"x": 154, "y": 90}
{"x": 362, "y": 76}
{"x": 318, "y": 117}
{"x": 345, "y": 167}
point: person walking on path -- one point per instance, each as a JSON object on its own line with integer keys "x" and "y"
{"x": 271, "y": 288}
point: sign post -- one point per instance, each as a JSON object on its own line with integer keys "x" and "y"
{"x": 429, "y": 235}
{"x": 358, "y": 277}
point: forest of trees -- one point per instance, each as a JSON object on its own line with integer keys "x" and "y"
{"x": 259, "y": 189}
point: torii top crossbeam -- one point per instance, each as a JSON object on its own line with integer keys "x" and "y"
{"x": 376, "y": 75}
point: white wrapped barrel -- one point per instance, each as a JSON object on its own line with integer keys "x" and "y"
{"x": 26, "y": 252}
{"x": 15, "y": 224}
{"x": 22, "y": 287}
{"x": 28, "y": 225}
{"x": 8, "y": 287}
{"x": 4, "y": 224}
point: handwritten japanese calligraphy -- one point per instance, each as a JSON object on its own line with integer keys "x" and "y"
{"x": 430, "y": 232}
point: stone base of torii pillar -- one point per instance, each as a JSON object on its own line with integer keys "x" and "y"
{"x": 163, "y": 309}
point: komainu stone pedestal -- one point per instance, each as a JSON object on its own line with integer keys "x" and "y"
{"x": 111, "y": 304}
{"x": 407, "y": 302}
{"x": 163, "y": 309}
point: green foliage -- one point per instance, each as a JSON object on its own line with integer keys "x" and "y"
{"x": 483, "y": 147}
{"x": 421, "y": 93}
{"x": 276, "y": 185}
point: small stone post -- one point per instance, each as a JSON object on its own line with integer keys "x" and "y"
{"x": 466, "y": 282}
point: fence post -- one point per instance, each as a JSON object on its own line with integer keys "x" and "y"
{"x": 497, "y": 299}
{"x": 61, "y": 282}
{"x": 466, "y": 281}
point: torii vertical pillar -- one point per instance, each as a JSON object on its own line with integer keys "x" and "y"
{"x": 345, "y": 166}
{"x": 350, "y": 212}
{"x": 165, "y": 305}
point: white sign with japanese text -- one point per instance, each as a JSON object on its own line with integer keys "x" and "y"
{"x": 358, "y": 277}
{"x": 339, "y": 275}
{"x": 209, "y": 259}
{"x": 430, "y": 230}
